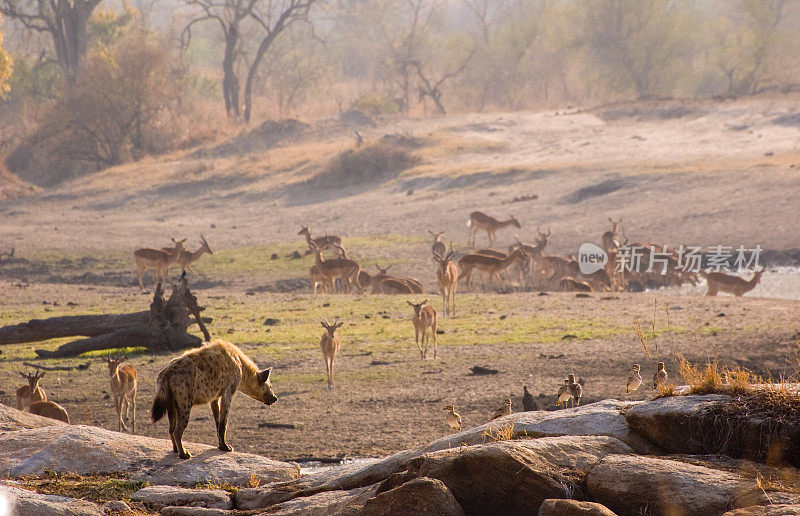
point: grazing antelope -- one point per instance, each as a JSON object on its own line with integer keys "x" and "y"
{"x": 210, "y": 374}
{"x": 424, "y": 322}
{"x": 447, "y": 278}
{"x": 634, "y": 380}
{"x": 575, "y": 389}
{"x": 49, "y": 409}
{"x": 330, "y": 346}
{"x": 528, "y": 402}
{"x": 489, "y": 264}
{"x": 157, "y": 260}
{"x": 187, "y": 258}
{"x": 479, "y": 221}
{"x": 437, "y": 247}
{"x": 721, "y": 282}
{"x": 28, "y": 394}
{"x": 660, "y": 376}
{"x": 335, "y": 268}
{"x": 504, "y": 410}
{"x": 123, "y": 384}
{"x": 532, "y": 253}
{"x": 453, "y": 418}
{"x": 323, "y": 242}
{"x": 564, "y": 394}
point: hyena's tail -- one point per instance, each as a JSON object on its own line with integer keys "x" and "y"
{"x": 160, "y": 402}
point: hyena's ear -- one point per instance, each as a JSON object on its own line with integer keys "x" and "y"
{"x": 263, "y": 376}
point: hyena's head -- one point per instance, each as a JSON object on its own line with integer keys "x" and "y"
{"x": 266, "y": 395}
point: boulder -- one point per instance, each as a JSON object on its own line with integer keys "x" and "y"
{"x": 327, "y": 502}
{"x": 163, "y": 496}
{"x": 767, "y": 510}
{"x": 571, "y": 452}
{"x": 417, "y": 497}
{"x": 29, "y": 503}
{"x": 634, "y": 484}
{"x": 498, "y": 478}
{"x": 564, "y": 507}
{"x": 12, "y": 419}
{"x": 601, "y": 418}
{"x": 757, "y": 427}
{"x": 88, "y": 450}
{"x": 117, "y": 508}
{"x": 177, "y": 510}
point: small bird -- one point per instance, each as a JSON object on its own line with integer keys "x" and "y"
{"x": 634, "y": 380}
{"x": 576, "y": 389}
{"x": 724, "y": 377}
{"x": 504, "y": 410}
{"x": 528, "y": 403}
{"x": 660, "y": 376}
{"x": 564, "y": 394}
{"x": 453, "y": 417}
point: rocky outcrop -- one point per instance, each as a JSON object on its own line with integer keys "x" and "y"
{"x": 573, "y": 453}
{"x": 767, "y": 510}
{"x": 157, "y": 497}
{"x": 29, "y": 503}
{"x": 630, "y": 484}
{"x": 751, "y": 427}
{"x": 88, "y": 450}
{"x": 418, "y": 496}
{"x": 562, "y": 507}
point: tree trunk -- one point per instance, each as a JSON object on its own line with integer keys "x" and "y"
{"x": 70, "y": 34}
{"x": 251, "y": 74}
{"x": 230, "y": 84}
{"x": 37, "y": 330}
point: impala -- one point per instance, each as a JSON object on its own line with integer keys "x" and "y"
{"x": 493, "y": 266}
{"x": 28, "y": 394}
{"x": 323, "y": 242}
{"x": 479, "y": 221}
{"x": 342, "y": 268}
{"x": 157, "y": 260}
{"x": 123, "y": 384}
{"x": 425, "y": 325}
{"x": 437, "y": 247}
{"x": 721, "y": 282}
{"x": 447, "y": 278}
{"x": 329, "y": 343}
{"x": 187, "y": 258}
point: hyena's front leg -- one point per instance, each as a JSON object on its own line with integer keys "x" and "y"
{"x": 222, "y": 424}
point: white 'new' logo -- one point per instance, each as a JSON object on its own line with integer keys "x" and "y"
{"x": 591, "y": 258}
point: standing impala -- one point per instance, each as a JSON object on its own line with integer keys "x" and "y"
{"x": 424, "y": 322}
{"x": 330, "y": 346}
{"x": 187, "y": 258}
{"x": 438, "y": 246}
{"x": 494, "y": 266}
{"x": 123, "y": 385}
{"x": 447, "y": 277}
{"x": 157, "y": 260}
{"x": 479, "y": 221}
{"x": 343, "y": 268}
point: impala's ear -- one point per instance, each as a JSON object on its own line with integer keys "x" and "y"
{"x": 409, "y": 302}
{"x": 339, "y": 324}
{"x": 42, "y": 375}
{"x": 263, "y": 376}
{"x": 23, "y": 375}
{"x": 324, "y": 325}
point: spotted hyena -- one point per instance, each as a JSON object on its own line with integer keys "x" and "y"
{"x": 210, "y": 374}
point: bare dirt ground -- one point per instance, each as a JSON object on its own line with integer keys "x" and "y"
{"x": 701, "y": 173}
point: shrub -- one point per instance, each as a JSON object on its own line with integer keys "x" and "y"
{"x": 368, "y": 164}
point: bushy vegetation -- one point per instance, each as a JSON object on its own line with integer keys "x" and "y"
{"x": 139, "y": 84}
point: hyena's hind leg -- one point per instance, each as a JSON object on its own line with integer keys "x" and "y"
{"x": 180, "y": 425}
{"x": 172, "y": 414}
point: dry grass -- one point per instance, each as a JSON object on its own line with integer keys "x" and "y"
{"x": 368, "y": 164}
{"x": 499, "y": 432}
{"x": 96, "y": 488}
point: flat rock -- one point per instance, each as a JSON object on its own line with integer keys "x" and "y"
{"x": 163, "y": 496}
{"x": 416, "y": 497}
{"x": 118, "y": 508}
{"x": 12, "y": 419}
{"x": 177, "y": 510}
{"x": 564, "y": 507}
{"x": 327, "y": 502}
{"x": 571, "y": 452}
{"x": 634, "y": 484}
{"x": 29, "y": 503}
{"x": 767, "y": 510}
{"x": 88, "y": 450}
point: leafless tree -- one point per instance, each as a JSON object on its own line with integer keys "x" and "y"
{"x": 64, "y": 21}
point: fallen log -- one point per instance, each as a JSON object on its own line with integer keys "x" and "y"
{"x": 164, "y": 329}
{"x": 37, "y": 330}
{"x": 79, "y": 367}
